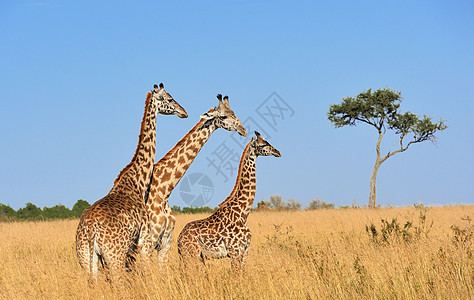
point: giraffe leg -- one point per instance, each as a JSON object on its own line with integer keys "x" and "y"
{"x": 144, "y": 242}
{"x": 143, "y": 252}
{"x": 248, "y": 237}
{"x": 115, "y": 260}
{"x": 87, "y": 251}
{"x": 237, "y": 260}
{"x": 94, "y": 258}
{"x": 189, "y": 248}
{"x": 239, "y": 252}
{"x": 163, "y": 253}
{"x": 112, "y": 248}
{"x": 82, "y": 247}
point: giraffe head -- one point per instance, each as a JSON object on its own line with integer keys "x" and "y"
{"x": 222, "y": 116}
{"x": 262, "y": 147}
{"x": 165, "y": 104}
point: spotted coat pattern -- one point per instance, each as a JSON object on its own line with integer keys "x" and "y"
{"x": 225, "y": 233}
{"x": 118, "y": 222}
{"x": 169, "y": 170}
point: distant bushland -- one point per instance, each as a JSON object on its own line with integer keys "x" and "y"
{"x": 34, "y": 213}
{"x": 191, "y": 210}
{"x": 31, "y": 212}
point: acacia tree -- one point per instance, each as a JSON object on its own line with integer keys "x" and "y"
{"x": 380, "y": 109}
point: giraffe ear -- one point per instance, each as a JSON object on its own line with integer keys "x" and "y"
{"x": 257, "y": 133}
{"x": 208, "y": 115}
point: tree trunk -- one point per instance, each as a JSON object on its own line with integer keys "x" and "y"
{"x": 375, "y": 170}
{"x": 373, "y": 179}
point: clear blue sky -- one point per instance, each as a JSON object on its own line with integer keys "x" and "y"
{"x": 74, "y": 74}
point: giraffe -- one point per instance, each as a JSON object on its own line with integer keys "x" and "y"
{"x": 225, "y": 233}
{"x": 169, "y": 170}
{"x": 112, "y": 225}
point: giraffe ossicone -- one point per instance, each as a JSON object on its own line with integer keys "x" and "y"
{"x": 118, "y": 223}
{"x": 225, "y": 233}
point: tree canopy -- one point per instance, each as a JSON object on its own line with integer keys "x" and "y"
{"x": 381, "y": 109}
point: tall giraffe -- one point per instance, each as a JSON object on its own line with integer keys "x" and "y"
{"x": 169, "y": 170}
{"x": 112, "y": 225}
{"x": 225, "y": 232}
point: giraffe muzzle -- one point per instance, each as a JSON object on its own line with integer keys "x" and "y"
{"x": 276, "y": 153}
{"x": 241, "y": 130}
{"x": 183, "y": 114}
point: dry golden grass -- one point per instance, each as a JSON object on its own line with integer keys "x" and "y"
{"x": 308, "y": 254}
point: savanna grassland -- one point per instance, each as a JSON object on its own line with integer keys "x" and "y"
{"x": 415, "y": 253}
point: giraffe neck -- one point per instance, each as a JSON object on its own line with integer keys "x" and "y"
{"x": 134, "y": 178}
{"x": 242, "y": 196}
{"x": 169, "y": 170}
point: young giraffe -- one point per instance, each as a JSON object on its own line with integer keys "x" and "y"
{"x": 225, "y": 232}
{"x": 111, "y": 226}
{"x": 171, "y": 168}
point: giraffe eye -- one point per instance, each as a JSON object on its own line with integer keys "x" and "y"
{"x": 223, "y": 117}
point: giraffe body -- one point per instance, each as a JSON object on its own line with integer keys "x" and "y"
{"x": 225, "y": 233}
{"x": 169, "y": 170}
{"x": 116, "y": 225}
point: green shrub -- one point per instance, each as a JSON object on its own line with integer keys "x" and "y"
{"x": 57, "y": 212}
{"x": 6, "y": 212}
{"x": 389, "y": 231}
{"x": 30, "y": 211}
{"x": 79, "y": 207}
{"x": 392, "y": 231}
{"x": 317, "y": 203}
{"x": 196, "y": 210}
{"x": 276, "y": 203}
